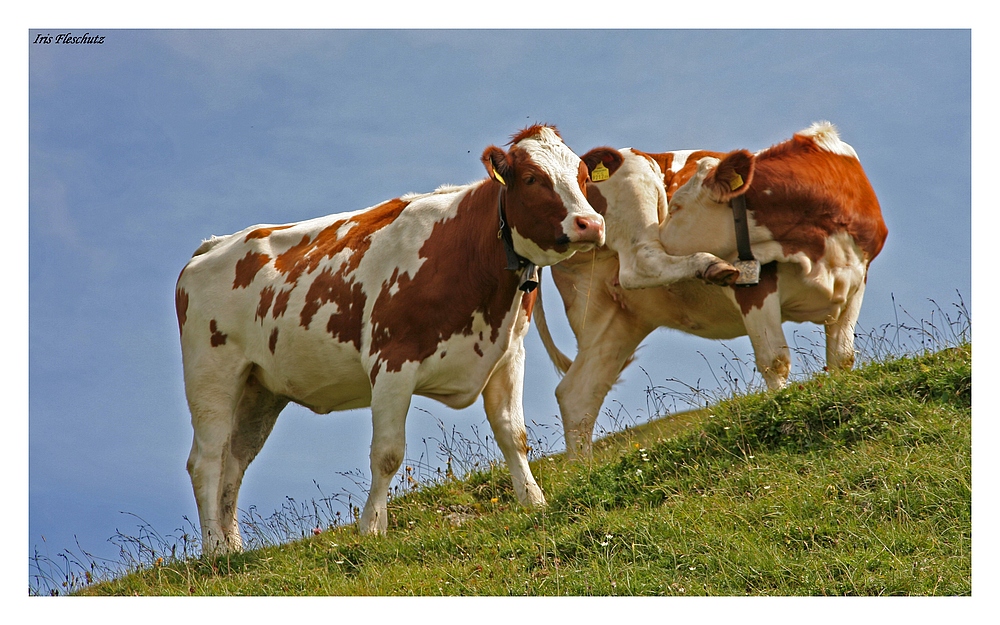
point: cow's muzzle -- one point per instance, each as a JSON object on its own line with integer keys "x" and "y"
{"x": 586, "y": 230}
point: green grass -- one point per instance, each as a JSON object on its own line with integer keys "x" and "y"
{"x": 854, "y": 483}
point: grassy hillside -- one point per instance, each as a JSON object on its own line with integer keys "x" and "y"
{"x": 855, "y": 483}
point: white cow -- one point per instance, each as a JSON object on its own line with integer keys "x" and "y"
{"x": 416, "y": 295}
{"x": 814, "y": 224}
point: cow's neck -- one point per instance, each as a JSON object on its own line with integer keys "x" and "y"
{"x": 465, "y": 259}
{"x": 497, "y": 258}
{"x": 527, "y": 271}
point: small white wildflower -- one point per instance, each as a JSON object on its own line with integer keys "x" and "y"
{"x": 638, "y": 471}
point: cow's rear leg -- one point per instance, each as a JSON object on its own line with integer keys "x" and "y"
{"x": 606, "y": 346}
{"x": 502, "y": 399}
{"x": 256, "y": 414}
{"x": 232, "y": 415}
{"x": 214, "y": 389}
{"x": 390, "y": 402}
{"x": 840, "y": 333}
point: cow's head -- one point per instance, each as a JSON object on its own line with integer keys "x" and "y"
{"x": 544, "y": 196}
{"x": 627, "y": 189}
{"x": 602, "y": 163}
{"x": 717, "y": 181}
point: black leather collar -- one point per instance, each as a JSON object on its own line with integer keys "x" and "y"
{"x": 515, "y": 262}
{"x": 748, "y": 265}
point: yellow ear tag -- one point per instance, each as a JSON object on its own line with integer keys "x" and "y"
{"x": 736, "y": 182}
{"x": 600, "y": 173}
{"x": 499, "y": 178}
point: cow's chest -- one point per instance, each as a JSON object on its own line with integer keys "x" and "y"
{"x": 460, "y": 367}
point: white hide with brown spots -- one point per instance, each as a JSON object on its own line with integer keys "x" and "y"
{"x": 368, "y": 308}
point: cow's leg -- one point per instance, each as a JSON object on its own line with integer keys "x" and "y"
{"x": 214, "y": 388}
{"x": 502, "y": 398}
{"x": 604, "y": 348}
{"x": 840, "y": 333}
{"x": 256, "y": 413}
{"x": 650, "y": 266}
{"x": 770, "y": 349}
{"x": 390, "y": 403}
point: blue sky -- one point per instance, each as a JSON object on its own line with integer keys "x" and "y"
{"x": 142, "y": 146}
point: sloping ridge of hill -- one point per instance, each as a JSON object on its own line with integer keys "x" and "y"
{"x": 850, "y": 483}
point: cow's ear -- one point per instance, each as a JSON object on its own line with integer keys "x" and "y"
{"x": 497, "y": 164}
{"x": 604, "y": 161}
{"x": 731, "y": 177}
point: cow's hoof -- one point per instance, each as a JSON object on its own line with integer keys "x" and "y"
{"x": 721, "y": 274}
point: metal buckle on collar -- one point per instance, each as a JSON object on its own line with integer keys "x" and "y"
{"x": 749, "y": 272}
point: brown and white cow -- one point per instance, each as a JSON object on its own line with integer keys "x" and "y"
{"x": 814, "y": 224}
{"x": 414, "y": 295}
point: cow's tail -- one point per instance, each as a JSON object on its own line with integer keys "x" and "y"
{"x": 208, "y": 244}
{"x": 559, "y": 359}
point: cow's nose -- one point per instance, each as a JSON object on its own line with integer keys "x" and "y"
{"x": 589, "y": 229}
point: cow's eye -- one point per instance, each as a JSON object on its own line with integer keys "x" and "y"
{"x": 529, "y": 179}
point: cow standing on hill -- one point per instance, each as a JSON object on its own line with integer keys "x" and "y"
{"x": 419, "y": 294}
{"x": 814, "y": 224}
